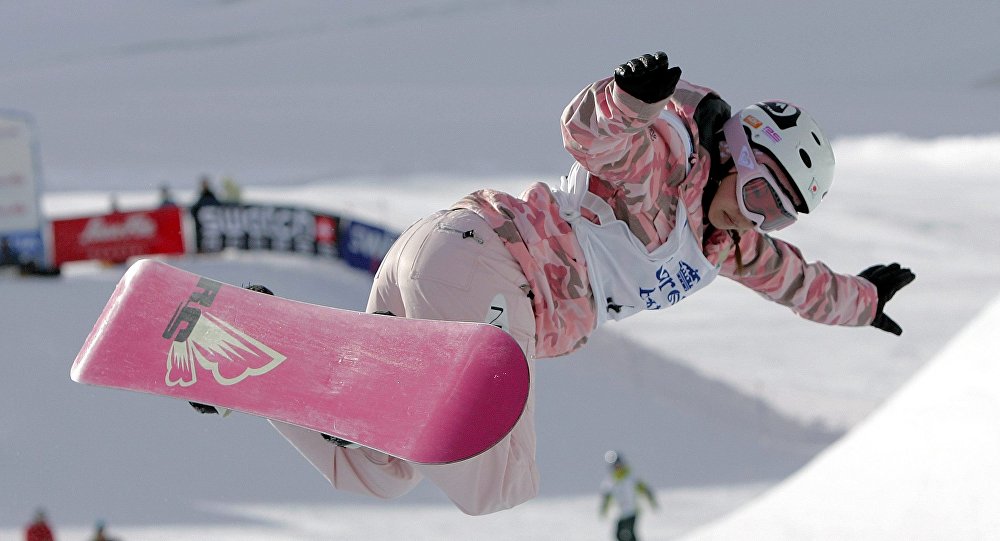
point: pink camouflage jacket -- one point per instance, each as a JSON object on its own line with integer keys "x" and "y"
{"x": 638, "y": 167}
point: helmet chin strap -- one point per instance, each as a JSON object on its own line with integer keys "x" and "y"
{"x": 720, "y": 168}
{"x": 735, "y": 235}
{"x": 717, "y": 172}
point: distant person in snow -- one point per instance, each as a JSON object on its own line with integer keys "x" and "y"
{"x": 231, "y": 193}
{"x": 206, "y": 196}
{"x": 100, "y": 532}
{"x": 166, "y": 198}
{"x": 669, "y": 190}
{"x": 39, "y": 529}
{"x": 623, "y": 489}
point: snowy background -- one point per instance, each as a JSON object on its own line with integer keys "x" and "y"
{"x": 387, "y": 111}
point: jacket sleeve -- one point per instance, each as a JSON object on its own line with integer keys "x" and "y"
{"x": 607, "y": 131}
{"x": 778, "y": 271}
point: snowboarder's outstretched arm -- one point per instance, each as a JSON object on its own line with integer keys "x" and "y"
{"x": 605, "y": 504}
{"x": 643, "y": 489}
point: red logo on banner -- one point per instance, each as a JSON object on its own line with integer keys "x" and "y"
{"x": 119, "y": 236}
{"x": 326, "y": 230}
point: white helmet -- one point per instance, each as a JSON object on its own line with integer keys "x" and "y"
{"x": 790, "y": 136}
{"x": 614, "y": 458}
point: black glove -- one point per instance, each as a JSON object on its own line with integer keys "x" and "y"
{"x": 648, "y": 78}
{"x": 887, "y": 280}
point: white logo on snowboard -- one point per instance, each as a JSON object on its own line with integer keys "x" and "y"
{"x": 201, "y": 339}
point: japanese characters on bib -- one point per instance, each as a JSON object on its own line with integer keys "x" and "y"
{"x": 624, "y": 276}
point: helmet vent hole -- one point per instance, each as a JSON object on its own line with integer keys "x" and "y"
{"x": 805, "y": 157}
{"x": 816, "y": 138}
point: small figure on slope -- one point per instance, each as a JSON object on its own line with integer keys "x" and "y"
{"x": 623, "y": 489}
{"x": 39, "y": 529}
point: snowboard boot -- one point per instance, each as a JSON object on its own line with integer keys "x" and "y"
{"x": 204, "y": 409}
{"x": 210, "y": 410}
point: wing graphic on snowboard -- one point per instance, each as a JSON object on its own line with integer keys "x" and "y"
{"x": 229, "y": 353}
{"x": 202, "y": 339}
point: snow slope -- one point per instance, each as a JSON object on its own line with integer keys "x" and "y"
{"x": 924, "y": 466}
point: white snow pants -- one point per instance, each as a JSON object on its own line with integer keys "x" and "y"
{"x": 439, "y": 270}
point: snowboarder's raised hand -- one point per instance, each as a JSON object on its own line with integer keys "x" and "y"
{"x": 888, "y": 279}
{"x": 648, "y": 78}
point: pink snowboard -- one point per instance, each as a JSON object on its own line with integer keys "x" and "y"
{"x": 424, "y": 391}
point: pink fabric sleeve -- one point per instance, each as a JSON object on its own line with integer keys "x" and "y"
{"x": 778, "y": 271}
{"x": 606, "y": 131}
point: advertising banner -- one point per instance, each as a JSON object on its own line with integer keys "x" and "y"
{"x": 364, "y": 246}
{"x": 265, "y": 227}
{"x": 118, "y": 236}
{"x": 20, "y": 218}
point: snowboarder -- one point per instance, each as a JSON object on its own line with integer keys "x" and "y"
{"x": 623, "y": 488}
{"x": 669, "y": 190}
{"x": 39, "y": 529}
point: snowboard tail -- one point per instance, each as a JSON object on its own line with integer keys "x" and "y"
{"x": 421, "y": 390}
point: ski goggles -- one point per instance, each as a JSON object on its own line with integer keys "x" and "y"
{"x": 758, "y": 193}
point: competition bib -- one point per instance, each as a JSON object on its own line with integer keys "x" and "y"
{"x": 624, "y": 276}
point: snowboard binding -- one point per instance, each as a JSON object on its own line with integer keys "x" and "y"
{"x": 340, "y": 442}
{"x": 206, "y": 409}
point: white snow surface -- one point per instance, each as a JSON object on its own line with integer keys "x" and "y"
{"x": 925, "y": 465}
{"x": 390, "y": 110}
